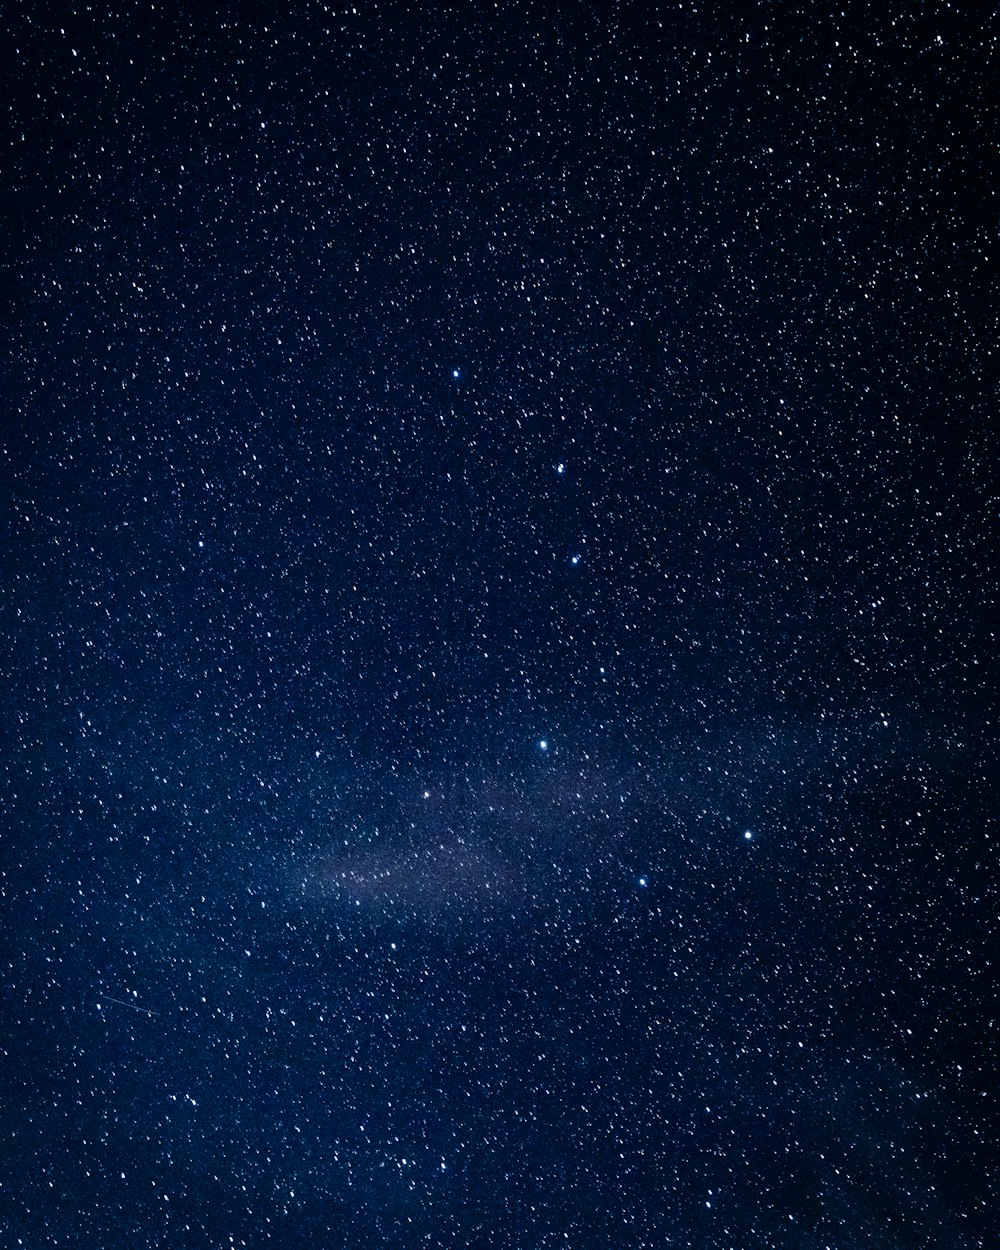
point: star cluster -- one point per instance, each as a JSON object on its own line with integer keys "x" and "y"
{"x": 498, "y": 622}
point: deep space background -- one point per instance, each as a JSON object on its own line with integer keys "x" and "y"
{"x": 498, "y": 603}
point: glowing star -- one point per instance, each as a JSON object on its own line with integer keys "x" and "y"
{"x": 575, "y": 559}
{"x": 644, "y": 881}
{"x": 543, "y": 744}
{"x": 748, "y": 835}
{"x": 456, "y": 374}
{"x": 560, "y": 469}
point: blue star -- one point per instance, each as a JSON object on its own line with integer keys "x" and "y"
{"x": 748, "y": 835}
{"x": 456, "y": 374}
{"x": 543, "y": 744}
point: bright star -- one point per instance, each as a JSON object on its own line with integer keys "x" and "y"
{"x": 644, "y": 881}
{"x": 543, "y": 745}
{"x": 456, "y": 373}
{"x": 748, "y": 835}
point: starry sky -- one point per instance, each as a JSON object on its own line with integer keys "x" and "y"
{"x": 497, "y": 626}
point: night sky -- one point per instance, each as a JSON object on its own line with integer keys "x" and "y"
{"x": 497, "y": 627}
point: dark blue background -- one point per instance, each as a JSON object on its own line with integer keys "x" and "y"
{"x": 288, "y": 609}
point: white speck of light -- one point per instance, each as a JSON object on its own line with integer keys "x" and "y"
{"x": 644, "y": 881}
{"x": 543, "y": 744}
{"x": 748, "y": 834}
{"x": 574, "y": 559}
{"x": 456, "y": 374}
{"x": 560, "y": 469}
